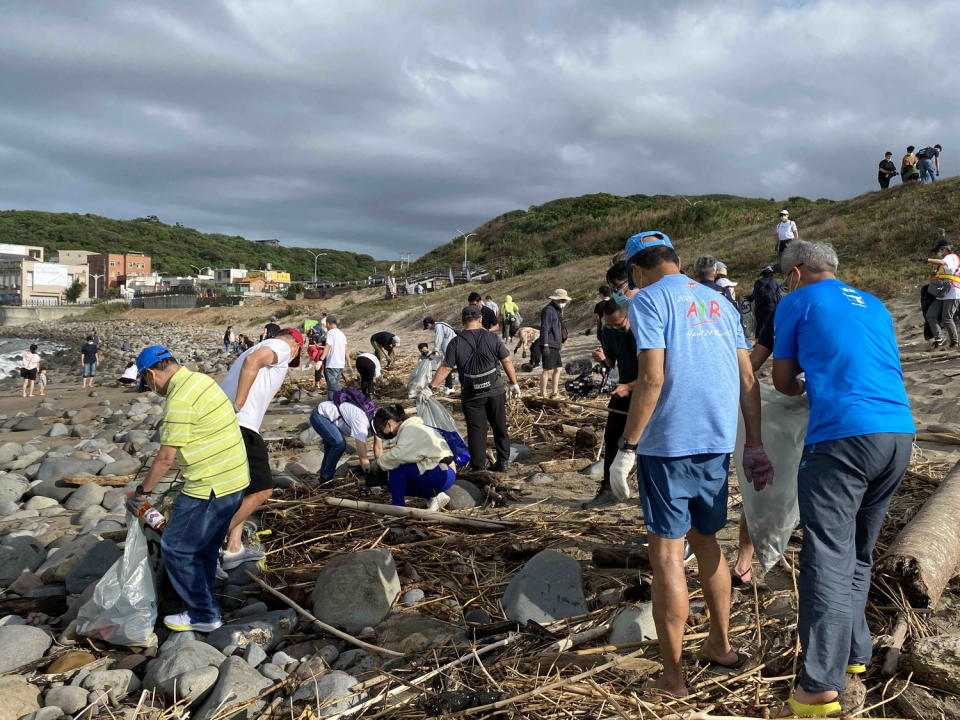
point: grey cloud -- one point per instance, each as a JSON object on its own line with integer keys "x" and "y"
{"x": 376, "y": 126}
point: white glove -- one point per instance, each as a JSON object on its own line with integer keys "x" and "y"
{"x": 514, "y": 391}
{"x": 425, "y": 393}
{"x": 619, "y": 471}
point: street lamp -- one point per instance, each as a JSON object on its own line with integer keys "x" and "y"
{"x": 465, "y": 238}
{"x": 316, "y": 256}
{"x": 95, "y": 278}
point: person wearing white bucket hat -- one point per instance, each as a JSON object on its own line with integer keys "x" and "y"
{"x": 553, "y": 334}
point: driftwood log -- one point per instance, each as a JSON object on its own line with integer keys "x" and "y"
{"x": 474, "y": 523}
{"x": 626, "y": 557}
{"x": 925, "y": 554}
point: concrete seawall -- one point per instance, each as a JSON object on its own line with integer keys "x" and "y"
{"x": 13, "y": 316}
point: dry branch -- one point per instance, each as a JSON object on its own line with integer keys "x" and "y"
{"x": 416, "y": 514}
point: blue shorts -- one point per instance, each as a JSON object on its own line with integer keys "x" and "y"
{"x": 678, "y": 493}
{"x": 89, "y": 369}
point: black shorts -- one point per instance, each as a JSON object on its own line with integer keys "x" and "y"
{"x": 260, "y": 476}
{"x": 28, "y": 374}
{"x": 551, "y": 358}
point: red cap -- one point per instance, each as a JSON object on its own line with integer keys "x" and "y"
{"x": 295, "y": 334}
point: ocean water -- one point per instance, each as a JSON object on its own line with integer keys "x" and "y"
{"x": 12, "y": 349}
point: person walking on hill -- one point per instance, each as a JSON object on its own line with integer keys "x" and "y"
{"x": 443, "y": 333}
{"x": 886, "y": 171}
{"x": 385, "y": 346}
{"x": 251, "y": 384}
{"x": 692, "y": 353}
{"x": 29, "y": 367}
{"x": 89, "y": 358}
{"x": 857, "y": 447}
{"x": 765, "y": 297}
{"x": 787, "y": 232}
{"x": 201, "y": 433}
{"x": 909, "y": 172}
{"x": 946, "y": 301}
{"x": 335, "y": 357}
{"x": 929, "y": 163}
{"x": 488, "y": 316}
{"x": 510, "y": 318}
{"x": 553, "y": 333}
{"x": 477, "y": 355}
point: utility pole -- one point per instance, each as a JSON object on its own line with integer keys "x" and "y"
{"x": 465, "y": 238}
{"x": 95, "y": 278}
{"x": 316, "y": 256}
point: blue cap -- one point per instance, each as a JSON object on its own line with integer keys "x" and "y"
{"x": 149, "y": 357}
{"x": 641, "y": 241}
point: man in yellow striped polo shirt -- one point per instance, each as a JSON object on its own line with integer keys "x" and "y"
{"x": 200, "y": 431}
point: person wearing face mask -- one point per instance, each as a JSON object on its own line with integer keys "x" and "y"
{"x": 618, "y": 350}
{"x": 420, "y": 464}
{"x": 857, "y": 447}
{"x": 200, "y": 431}
{"x": 553, "y": 333}
{"x": 693, "y": 370}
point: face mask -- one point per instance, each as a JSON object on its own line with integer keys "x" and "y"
{"x": 620, "y": 298}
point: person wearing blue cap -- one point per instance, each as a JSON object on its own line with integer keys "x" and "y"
{"x": 200, "y": 431}
{"x": 693, "y": 365}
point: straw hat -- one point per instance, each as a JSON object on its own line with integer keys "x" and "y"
{"x": 560, "y": 294}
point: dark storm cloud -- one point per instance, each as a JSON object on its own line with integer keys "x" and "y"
{"x": 385, "y": 126}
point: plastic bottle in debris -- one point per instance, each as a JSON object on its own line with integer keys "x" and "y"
{"x": 152, "y": 517}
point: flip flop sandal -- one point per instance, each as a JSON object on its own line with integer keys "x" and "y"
{"x": 802, "y": 710}
{"x": 735, "y": 665}
{"x": 649, "y": 688}
{"x": 736, "y": 579}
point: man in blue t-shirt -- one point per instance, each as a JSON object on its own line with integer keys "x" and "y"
{"x": 693, "y": 367}
{"x": 856, "y": 451}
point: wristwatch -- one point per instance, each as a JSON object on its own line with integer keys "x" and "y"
{"x": 622, "y": 444}
{"x": 139, "y": 490}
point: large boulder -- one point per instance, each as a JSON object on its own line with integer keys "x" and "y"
{"x": 548, "y": 588}
{"x": 266, "y": 631}
{"x": 55, "y": 468}
{"x": 237, "y": 682}
{"x": 18, "y": 554}
{"x": 189, "y": 669}
{"x": 92, "y": 566}
{"x": 19, "y": 697}
{"x": 307, "y": 466}
{"x": 28, "y": 423}
{"x": 21, "y": 644}
{"x": 633, "y": 624}
{"x": 328, "y": 688}
{"x": 465, "y": 495}
{"x": 356, "y": 590}
{"x": 85, "y": 496}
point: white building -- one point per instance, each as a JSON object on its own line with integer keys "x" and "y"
{"x": 28, "y": 282}
{"x": 228, "y": 276}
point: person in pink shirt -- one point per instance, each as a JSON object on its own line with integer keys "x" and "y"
{"x": 28, "y": 370}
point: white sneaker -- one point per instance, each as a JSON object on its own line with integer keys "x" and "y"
{"x": 181, "y": 622}
{"x": 231, "y": 560}
{"x": 448, "y": 391}
{"x": 439, "y": 502}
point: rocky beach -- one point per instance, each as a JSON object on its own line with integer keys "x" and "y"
{"x": 409, "y": 593}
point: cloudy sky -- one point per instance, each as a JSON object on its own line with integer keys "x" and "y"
{"x": 384, "y": 126}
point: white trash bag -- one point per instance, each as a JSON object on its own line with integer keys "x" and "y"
{"x": 772, "y": 514}
{"x": 123, "y": 608}
{"x": 422, "y": 374}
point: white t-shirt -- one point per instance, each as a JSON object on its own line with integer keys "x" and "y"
{"x": 336, "y": 357}
{"x": 265, "y": 385}
{"x": 786, "y": 230}
{"x": 348, "y": 418}
{"x": 130, "y": 373}
{"x": 372, "y": 358}
{"x": 951, "y": 266}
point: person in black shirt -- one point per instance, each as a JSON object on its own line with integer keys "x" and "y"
{"x": 886, "y": 170}
{"x": 89, "y": 357}
{"x": 270, "y": 330}
{"x": 385, "y": 347}
{"x": 477, "y": 355}
{"x": 618, "y": 350}
{"x": 604, "y": 293}
{"x": 488, "y": 318}
{"x": 765, "y": 298}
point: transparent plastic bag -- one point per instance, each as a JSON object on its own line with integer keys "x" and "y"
{"x": 422, "y": 374}
{"x": 772, "y": 513}
{"x": 435, "y": 415}
{"x": 123, "y": 608}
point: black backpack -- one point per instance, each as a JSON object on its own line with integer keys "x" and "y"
{"x": 928, "y": 153}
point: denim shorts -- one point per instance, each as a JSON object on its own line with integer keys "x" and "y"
{"x": 89, "y": 369}
{"x": 678, "y": 493}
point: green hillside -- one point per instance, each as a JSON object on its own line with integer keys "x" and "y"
{"x": 563, "y": 230}
{"x": 875, "y": 234}
{"x": 174, "y": 248}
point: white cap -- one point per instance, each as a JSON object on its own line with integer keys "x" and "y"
{"x": 784, "y": 212}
